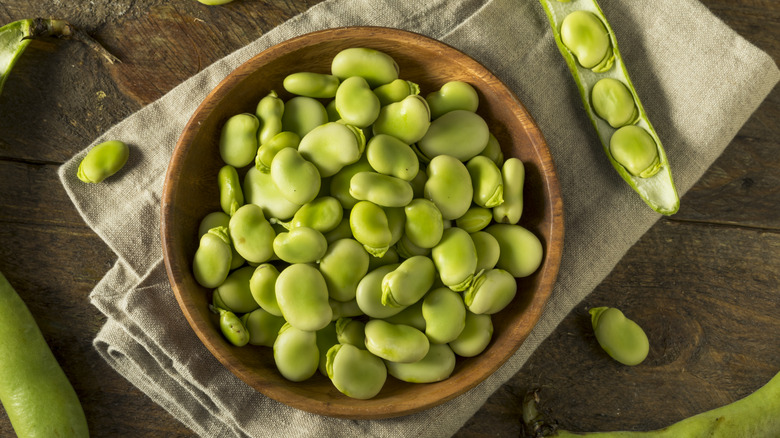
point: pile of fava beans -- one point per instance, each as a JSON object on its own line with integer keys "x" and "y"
{"x": 374, "y": 231}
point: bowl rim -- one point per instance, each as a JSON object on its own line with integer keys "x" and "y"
{"x": 292, "y": 398}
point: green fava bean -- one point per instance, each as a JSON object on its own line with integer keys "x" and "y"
{"x": 635, "y": 150}
{"x": 297, "y": 179}
{"x": 295, "y": 353}
{"x": 303, "y": 297}
{"x": 435, "y": 366}
{"x": 445, "y": 315}
{"x": 268, "y": 150}
{"x": 356, "y": 103}
{"x": 342, "y": 230}
{"x": 455, "y": 257}
{"x": 407, "y": 120}
{"x": 370, "y": 227}
{"x": 584, "y": 34}
{"x": 232, "y": 328}
{"x": 211, "y": 220}
{"x": 449, "y": 186}
{"x": 259, "y": 189}
{"x": 513, "y": 175}
{"x": 411, "y": 316}
{"x": 309, "y": 84}
{"x": 211, "y": 263}
{"x": 383, "y": 190}
{"x": 262, "y": 326}
{"x": 396, "y": 220}
{"x": 339, "y": 183}
{"x": 238, "y": 140}
{"x": 475, "y": 336}
{"x": 369, "y": 293}
{"x": 351, "y": 331}
{"x": 424, "y": 224}
{"x": 300, "y": 245}
{"x": 102, "y": 161}
{"x": 377, "y": 68}
{"x": 521, "y": 251}
{"x": 251, "y": 234}
{"x": 406, "y": 249}
{"x": 454, "y": 95}
{"x": 409, "y": 282}
{"x": 475, "y": 219}
{"x": 459, "y": 133}
{"x": 332, "y": 146}
{"x": 262, "y": 286}
{"x": 623, "y": 339}
{"x": 613, "y": 102}
{"x": 322, "y": 214}
{"x": 326, "y": 338}
{"x": 390, "y": 156}
{"x": 234, "y": 291}
{"x": 302, "y": 114}
{"x": 488, "y": 250}
{"x": 343, "y": 266}
{"x": 269, "y": 113}
{"x": 390, "y": 257}
{"x": 395, "y": 91}
{"x": 356, "y": 373}
{"x": 418, "y": 183}
{"x": 395, "y": 342}
{"x": 491, "y": 292}
{"x": 487, "y": 182}
{"x": 344, "y": 309}
{"x": 493, "y": 151}
{"x": 231, "y": 197}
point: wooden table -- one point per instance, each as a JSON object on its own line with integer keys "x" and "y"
{"x": 704, "y": 283}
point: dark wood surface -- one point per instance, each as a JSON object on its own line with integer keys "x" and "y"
{"x": 704, "y": 283}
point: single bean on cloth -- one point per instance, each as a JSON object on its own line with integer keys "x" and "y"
{"x": 709, "y": 69}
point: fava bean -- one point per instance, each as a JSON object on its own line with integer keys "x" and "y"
{"x": 297, "y": 179}
{"x": 269, "y": 113}
{"x": 488, "y": 250}
{"x": 407, "y": 120}
{"x": 356, "y": 373}
{"x": 613, "y": 102}
{"x": 332, "y": 146}
{"x": 322, "y": 214}
{"x": 102, "y": 161}
{"x": 444, "y": 314}
{"x": 475, "y": 336}
{"x": 302, "y": 114}
{"x": 585, "y": 35}
{"x": 449, "y": 186}
{"x": 409, "y": 282}
{"x": 418, "y": 183}
{"x": 487, "y": 182}
{"x": 635, "y": 150}
{"x": 395, "y": 342}
{"x": 232, "y": 328}
{"x": 435, "y": 366}
{"x": 390, "y": 156}
{"x": 521, "y": 251}
{"x": 424, "y": 225}
{"x": 252, "y": 235}
{"x": 303, "y": 297}
{"x": 407, "y": 249}
{"x": 309, "y": 84}
{"x": 395, "y": 91}
{"x": 231, "y": 197}
{"x": 342, "y": 230}
{"x": 238, "y": 140}
{"x": 344, "y": 309}
{"x": 211, "y": 220}
{"x": 295, "y": 353}
{"x": 300, "y": 245}
{"x": 262, "y": 326}
{"x": 259, "y": 189}
{"x": 513, "y": 175}
{"x": 396, "y": 220}
{"x": 356, "y": 103}
{"x": 340, "y": 182}
{"x": 268, "y": 150}
{"x": 377, "y": 68}
{"x": 383, "y": 190}
{"x": 234, "y": 291}
{"x": 262, "y": 286}
{"x": 455, "y": 257}
{"x": 411, "y": 316}
{"x": 458, "y": 133}
{"x": 344, "y": 264}
{"x": 390, "y": 257}
{"x": 370, "y": 227}
{"x": 453, "y": 95}
{"x": 351, "y": 331}
{"x": 623, "y": 339}
{"x": 493, "y": 150}
{"x": 491, "y": 292}
{"x": 211, "y": 263}
{"x": 369, "y": 293}
{"x": 475, "y": 219}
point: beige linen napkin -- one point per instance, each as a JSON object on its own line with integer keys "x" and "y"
{"x": 698, "y": 80}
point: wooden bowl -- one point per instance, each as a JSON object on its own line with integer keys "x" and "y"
{"x": 190, "y": 193}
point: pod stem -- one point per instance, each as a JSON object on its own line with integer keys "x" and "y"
{"x": 49, "y": 27}
{"x": 535, "y": 422}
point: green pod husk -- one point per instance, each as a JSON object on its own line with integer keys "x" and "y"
{"x": 657, "y": 190}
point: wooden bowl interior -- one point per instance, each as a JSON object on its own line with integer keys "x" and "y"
{"x": 191, "y": 192}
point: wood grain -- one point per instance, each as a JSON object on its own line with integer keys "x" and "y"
{"x": 709, "y": 273}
